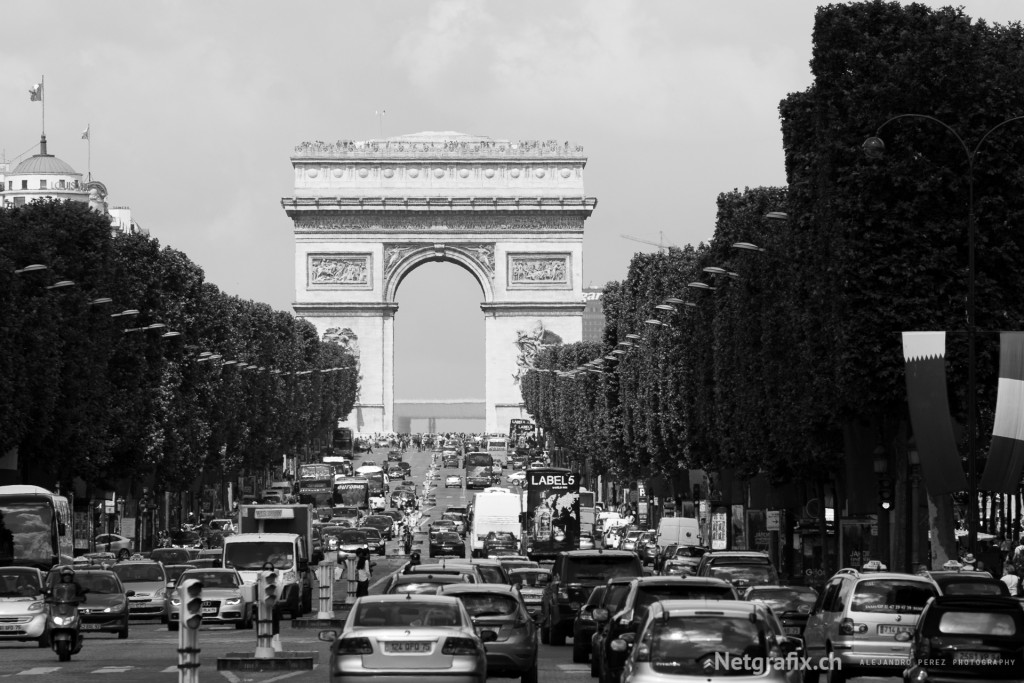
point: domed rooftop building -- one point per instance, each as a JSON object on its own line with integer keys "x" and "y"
{"x": 42, "y": 176}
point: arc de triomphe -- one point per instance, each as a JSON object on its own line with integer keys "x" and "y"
{"x": 366, "y": 214}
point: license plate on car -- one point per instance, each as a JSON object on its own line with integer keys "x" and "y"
{"x": 892, "y": 629}
{"x": 209, "y": 610}
{"x": 792, "y": 630}
{"x": 9, "y": 627}
{"x": 90, "y": 627}
{"x": 407, "y": 646}
{"x": 970, "y": 657}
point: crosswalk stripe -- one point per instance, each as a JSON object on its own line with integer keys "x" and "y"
{"x": 169, "y": 670}
{"x": 113, "y": 670}
{"x": 39, "y": 670}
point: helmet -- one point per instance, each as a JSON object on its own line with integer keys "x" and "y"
{"x": 67, "y": 574}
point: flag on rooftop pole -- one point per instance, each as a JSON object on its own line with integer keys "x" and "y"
{"x": 85, "y": 133}
{"x": 36, "y": 93}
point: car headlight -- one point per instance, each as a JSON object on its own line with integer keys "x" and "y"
{"x": 36, "y": 607}
{"x": 233, "y": 601}
{"x": 176, "y": 602}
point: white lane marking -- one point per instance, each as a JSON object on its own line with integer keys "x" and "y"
{"x": 231, "y": 677}
{"x": 112, "y": 670}
{"x": 169, "y": 670}
{"x": 39, "y": 670}
{"x": 573, "y": 668}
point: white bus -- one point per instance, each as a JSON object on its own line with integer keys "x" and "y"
{"x": 38, "y": 527}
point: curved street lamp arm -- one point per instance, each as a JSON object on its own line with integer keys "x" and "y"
{"x": 967, "y": 151}
{"x": 993, "y": 129}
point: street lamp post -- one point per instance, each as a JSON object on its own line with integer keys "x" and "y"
{"x": 875, "y": 147}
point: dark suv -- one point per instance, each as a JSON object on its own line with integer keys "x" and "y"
{"x": 603, "y": 597}
{"x": 574, "y": 576}
{"x": 629, "y": 614}
{"x": 967, "y": 638}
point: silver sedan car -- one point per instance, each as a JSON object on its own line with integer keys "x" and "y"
{"x": 400, "y": 637}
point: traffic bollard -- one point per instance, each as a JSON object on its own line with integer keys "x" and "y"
{"x": 325, "y": 578}
{"x": 190, "y": 618}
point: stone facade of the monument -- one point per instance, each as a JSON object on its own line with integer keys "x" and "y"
{"x": 366, "y": 214}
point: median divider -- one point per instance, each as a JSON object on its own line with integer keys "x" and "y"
{"x": 326, "y": 616}
{"x": 268, "y": 655}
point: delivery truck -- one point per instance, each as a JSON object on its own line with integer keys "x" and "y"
{"x": 280, "y": 536}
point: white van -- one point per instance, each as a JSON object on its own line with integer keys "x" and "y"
{"x": 495, "y": 509}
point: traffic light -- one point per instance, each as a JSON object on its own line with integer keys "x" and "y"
{"x": 191, "y": 595}
{"x": 268, "y": 589}
{"x": 885, "y": 493}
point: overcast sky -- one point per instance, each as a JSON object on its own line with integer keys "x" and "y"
{"x": 196, "y": 107}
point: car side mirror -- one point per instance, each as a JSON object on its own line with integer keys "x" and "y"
{"x": 488, "y": 636}
{"x": 601, "y": 615}
{"x": 327, "y": 636}
{"x": 129, "y": 593}
{"x": 790, "y": 644}
{"x": 904, "y": 637}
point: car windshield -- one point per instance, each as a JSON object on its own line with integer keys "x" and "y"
{"x": 212, "y": 579}
{"x": 599, "y": 568}
{"x": 140, "y": 573}
{"x": 449, "y": 538}
{"x": 332, "y": 530}
{"x": 786, "y": 599}
{"x": 19, "y": 583}
{"x": 706, "y": 645}
{"x": 378, "y": 520}
{"x": 97, "y": 582}
{"x": 748, "y": 573}
{"x": 976, "y": 623}
{"x": 489, "y": 604}
{"x": 253, "y": 555}
{"x": 170, "y": 555}
{"x": 973, "y": 588}
{"x": 174, "y": 571}
{"x": 648, "y": 595}
{"x": 891, "y": 596}
{"x": 352, "y": 536}
{"x": 372, "y": 534}
{"x": 427, "y": 584}
{"x": 531, "y": 579}
{"x": 406, "y": 613}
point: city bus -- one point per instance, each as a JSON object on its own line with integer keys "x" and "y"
{"x": 35, "y": 528}
{"x": 352, "y": 492}
{"x": 479, "y": 470}
{"x": 316, "y": 484}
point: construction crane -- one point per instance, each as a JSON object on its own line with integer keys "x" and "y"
{"x": 660, "y": 244}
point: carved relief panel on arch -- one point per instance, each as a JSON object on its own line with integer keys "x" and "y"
{"x": 339, "y": 271}
{"x": 539, "y": 271}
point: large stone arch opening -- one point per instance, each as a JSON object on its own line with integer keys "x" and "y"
{"x": 366, "y": 214}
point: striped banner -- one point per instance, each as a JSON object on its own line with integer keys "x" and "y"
{"x": 1006, "y": 457}
{"x": 925, "y": 354}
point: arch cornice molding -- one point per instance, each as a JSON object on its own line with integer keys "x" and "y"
{"x": 400, "y": 259}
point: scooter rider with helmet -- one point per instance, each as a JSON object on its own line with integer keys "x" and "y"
{"x": 69, "y": 591}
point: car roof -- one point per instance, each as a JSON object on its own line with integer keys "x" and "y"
{"x": 385, "y": 597}
{"x": 135, "y": 563}
{"x": 737, "y": 553}
{"x": 691, "y": 607}
{"x": 680, "y": 580}
{"x": 971, "y": 602}
{"x": 420, "y": 577}
{"x": 948, "y": 576}
{"x": 503, "y": 588}
{"x": 599, "y": 553}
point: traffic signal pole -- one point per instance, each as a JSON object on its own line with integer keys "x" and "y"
{"x": 190, "y": 593}
{"x": 266, "y": 600}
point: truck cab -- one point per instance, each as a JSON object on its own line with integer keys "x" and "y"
{"x": 288, "y": 554}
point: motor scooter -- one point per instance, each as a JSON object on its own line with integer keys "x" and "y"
{"x": 65, "y": 622}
